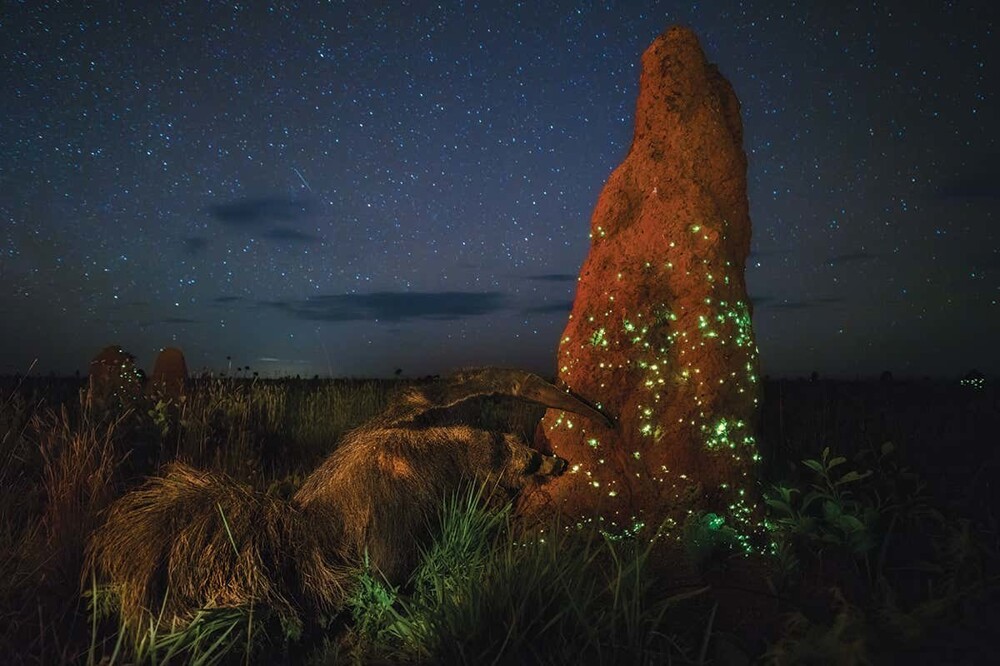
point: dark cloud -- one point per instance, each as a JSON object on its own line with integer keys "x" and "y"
{"x": 224, "y": 300}
{"x": 978, "y": 180}
{"x": 560, "y": 307}
{"x": 393, "y": 306}
{"x": 850, "y": 258}
{"x": 553, "y": 277}
{"x": 177, "y": 320}
{"x": 291, "y": 235}
{"x": 259, "y": 211}
{"x": 195, "y": 244}
{"x": 774, "y": 304}
{"x": 761, "y": 254}
{"x": 974, "y": 186}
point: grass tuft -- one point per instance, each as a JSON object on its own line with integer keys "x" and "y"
{"x": 481, "y": 594}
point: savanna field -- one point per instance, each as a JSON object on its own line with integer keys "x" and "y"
{"x": 881, "y": 499}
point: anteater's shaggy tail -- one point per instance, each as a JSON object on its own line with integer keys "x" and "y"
{"x": 191, "y": 539}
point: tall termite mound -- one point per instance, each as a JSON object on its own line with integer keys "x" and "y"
{"x": 170, "y": 373}
{"x": 660, "y": 333}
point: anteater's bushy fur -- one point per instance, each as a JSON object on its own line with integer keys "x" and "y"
{"x": 190, "y": 539}
{"x": 386, "y": 489}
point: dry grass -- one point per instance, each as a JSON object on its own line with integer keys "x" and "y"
{"x": 45, "y": 531}
{"x": 254, "y": 430}
{"x": 78, "y": 476}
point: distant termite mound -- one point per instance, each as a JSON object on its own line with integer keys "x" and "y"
{"x": 660, "y": 333}
{"x": 113, "y": 378}
{"x": 170, "y": 373}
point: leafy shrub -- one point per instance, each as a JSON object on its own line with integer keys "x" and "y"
{"x": 828, "y": 512}
{"x": 879, "y": 567}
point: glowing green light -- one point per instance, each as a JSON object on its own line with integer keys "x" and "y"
{"x": 658, "y": 364}
{"x": 599, "y": 338}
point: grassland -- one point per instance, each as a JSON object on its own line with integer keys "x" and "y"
{"x": 882, "y": 495}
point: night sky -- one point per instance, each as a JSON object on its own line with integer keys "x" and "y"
{"x": 349, "y": 188}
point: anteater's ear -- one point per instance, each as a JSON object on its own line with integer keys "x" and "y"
{"x": 495, "y": 382}
{"x": 552, "y": 466}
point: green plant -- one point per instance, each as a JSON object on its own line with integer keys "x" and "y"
{"x": 898, "y": 567}
{"x": 372, "y": 609}
{"x": 829, "y": 512}
{"x": 165, "y": 412}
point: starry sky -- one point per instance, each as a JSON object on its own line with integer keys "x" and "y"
{"x": 352, "y": 188}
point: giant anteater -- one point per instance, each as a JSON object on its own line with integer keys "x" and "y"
{"x": 192, "y": 539}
